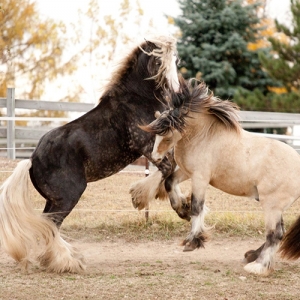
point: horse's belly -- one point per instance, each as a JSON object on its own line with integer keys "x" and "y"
{"x": 235, "y": 186}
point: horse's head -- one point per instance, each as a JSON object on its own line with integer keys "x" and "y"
{"x": 160, "y": 56}
{"x": 175, "y": 117}
{"x": 164, "y": 143}
{"x": 167, "y": 133}
{"x": 149, "y": 71}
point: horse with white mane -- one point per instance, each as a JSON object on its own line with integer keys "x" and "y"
{"x": 210, "y": 147}
{"x": 97, "y": 145}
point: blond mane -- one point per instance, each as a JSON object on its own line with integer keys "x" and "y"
{"x": 166, "y": 47}
{"x": 165, "y": 51}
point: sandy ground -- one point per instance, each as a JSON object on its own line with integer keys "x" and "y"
{"x": 151, "y": 270}
{"x": 117, "y": 269}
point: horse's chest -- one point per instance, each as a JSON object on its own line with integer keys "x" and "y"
{"x": 185, "y": 162}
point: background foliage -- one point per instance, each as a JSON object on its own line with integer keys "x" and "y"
{"x": 240, "y": 54}
{"x": 230, "y": 44}
{"x": 214, "y": 45}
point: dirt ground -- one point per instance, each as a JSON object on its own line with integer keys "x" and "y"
{"x": 118, "y": 269}
{"x": 151, "y": 270}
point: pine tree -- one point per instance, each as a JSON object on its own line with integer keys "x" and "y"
{"x": 214, "y": 45}
{"x": 285, "y": 65}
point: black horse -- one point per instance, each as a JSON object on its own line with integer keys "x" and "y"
{"x": 94, "y": 146}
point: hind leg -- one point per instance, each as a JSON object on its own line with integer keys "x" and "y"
{"x": 57, "y": 211}
{"x": 252, "y": 255}
{"x": 62, "y": 195}
{"x": 264, "y": 262}
{"x": 177, "y": 199}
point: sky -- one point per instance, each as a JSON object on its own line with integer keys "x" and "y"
{"x": 91, "y": 78}
{"x": 67, "y": 9}
{"x": 154, "y": 10}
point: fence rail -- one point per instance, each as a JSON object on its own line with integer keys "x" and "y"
{"x": 20, "y": 141}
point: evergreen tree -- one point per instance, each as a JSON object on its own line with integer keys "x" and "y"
{"x": 257, "y": 101}
{"x": 285, "y": 65}
{"x": 214, "y": 45}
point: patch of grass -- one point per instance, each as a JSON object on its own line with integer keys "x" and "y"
{"x": 164, "y": 226}
{"x": 237, "y": 223}
{"x": 133, "y": 229}
{"x": 106, "y": 212}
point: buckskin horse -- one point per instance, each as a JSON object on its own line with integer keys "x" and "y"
{"x": 96, "y": 145}
{"x": 210, "y": 147}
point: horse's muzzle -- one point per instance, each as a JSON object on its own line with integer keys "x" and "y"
{"x": 156, "y": 158}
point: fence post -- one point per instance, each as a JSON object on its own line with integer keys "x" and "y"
{"x": 10, "y": 104}
{"x": 147, "y": 174}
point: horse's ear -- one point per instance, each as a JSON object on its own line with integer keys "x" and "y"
{"x": 157, "y": 114}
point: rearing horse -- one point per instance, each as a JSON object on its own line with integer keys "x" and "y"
{"x": 210, "y": 147}
{"x": 94, "y": 146}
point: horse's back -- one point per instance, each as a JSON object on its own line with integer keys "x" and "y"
{"x": 265, "y": 165}
{"x": 241, "y": 163}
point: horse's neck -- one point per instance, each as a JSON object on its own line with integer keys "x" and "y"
{"x": 142, "y": 91}
{"x": 202, "y": 126}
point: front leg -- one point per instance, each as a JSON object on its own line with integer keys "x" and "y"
{"x": 198, "y": 235}
{"x": 152, "y": 186}
{"x": 178, "y": 201}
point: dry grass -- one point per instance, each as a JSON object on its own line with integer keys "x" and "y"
{"x": 148, "y": 269}
{"x": 105, "y": 210}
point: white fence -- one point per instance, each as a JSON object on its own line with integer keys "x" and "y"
{"x": 19, "y": 142}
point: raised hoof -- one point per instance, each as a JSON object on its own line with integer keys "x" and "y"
{"x": 138, "y": 204}
{"x": 134, "y": 203}
{"x": 185, "y": 212}
{"x": 185, "y": 215}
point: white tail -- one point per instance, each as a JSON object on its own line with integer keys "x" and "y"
{"x": 23, "y": 231}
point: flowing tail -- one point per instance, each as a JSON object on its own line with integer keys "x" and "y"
{"x": 23, "y": 231}
{"x": 290, "y": 244}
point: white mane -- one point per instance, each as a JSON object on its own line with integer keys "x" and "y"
{"x": 166, "y": 51}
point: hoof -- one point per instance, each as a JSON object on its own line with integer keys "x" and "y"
{"x": 138, "y": 203}
{"x": 189, "y": 247}
{"x": 196, "y": 242}
{"x": 185, "y": 212}
{"x": 185, "y": 215}
{"x": 250, "y": 256}
{"x": 135, "y": 204}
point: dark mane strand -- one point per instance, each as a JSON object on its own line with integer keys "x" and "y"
{"x": 201, "y": 100}
{"x": 194, "y": 98}
{"x": 124, "y": 67}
